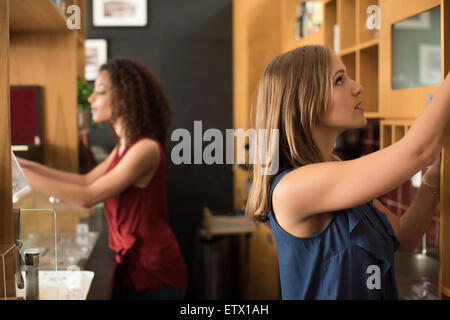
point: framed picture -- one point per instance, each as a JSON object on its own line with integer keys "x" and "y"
{"x": 120, "y": 13}
{"x": 96, "y": 55}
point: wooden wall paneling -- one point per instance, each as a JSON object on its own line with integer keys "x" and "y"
{"x": 48, "y": 59}
{"x": 330, "y": 19}
{"x": 385, "y": 134}
{"x": 6, "y": 222}
{"x": 241, "y": 114}
{"x": 405, "y": 103}
{"x": 347, "y": 21}
{"x": 288, "y": 17}
{"x": 365, "y": 34}
{"x": 264, "y": 280}
{"x": 264, "y": 40}
{"x": 369, "y": 78}
{"x": 32, "y": 15}
{"x": 444, "y": 234}
{"x": 256, "y": 40}
{"x": 81, "y": 58}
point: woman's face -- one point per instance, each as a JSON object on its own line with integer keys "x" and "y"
{"x": 345, "y": 110}
{"x": 100, "y": 99}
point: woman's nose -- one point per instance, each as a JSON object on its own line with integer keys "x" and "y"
{"x": 358, "y": 89}
{"x": 90, "y": 98}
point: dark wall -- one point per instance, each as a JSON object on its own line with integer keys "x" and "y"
{"x": 189, "y": 46}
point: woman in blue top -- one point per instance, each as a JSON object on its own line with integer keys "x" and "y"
{"x": 334, "y": 239}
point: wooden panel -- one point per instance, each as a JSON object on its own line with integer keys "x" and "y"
{"x": 264, "y": 273}
{"x": 257, "y": 40}
{"x": 330, "y": 19}
{"x": 241, "y": 114}
{"x": 365, "y": 34}
{"x": 48, "y": 59}
{"x": 36, "y": 15}
{"x": 6, "y": 222}
{"x": 407, "y": 102}
{"x": 81, "y": 58}
{"x": 316, "y": 38}
{"x": 349, "y": 60}
{"x": 347, "y": 21}
{"x": 444, "y": 234}
{"x": 369, "y": 78}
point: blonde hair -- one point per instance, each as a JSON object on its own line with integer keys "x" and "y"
{"x": 293, "y": 95}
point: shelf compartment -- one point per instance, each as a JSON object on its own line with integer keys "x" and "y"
{"x": 32, "y": 15}
{"x": 364, "y": 33}
{"x": 349, "y": 60}
{"x": 346, "y": 20}
{"x": 398, "y": 133}
{"x": 385, "y": 135}
{"x": 330, "y": 19}
{"x": 369, "y": 78}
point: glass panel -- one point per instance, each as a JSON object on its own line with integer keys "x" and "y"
{"x": 416, "y": 44}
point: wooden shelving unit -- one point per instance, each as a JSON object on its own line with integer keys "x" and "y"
{"x": 392, "y": 130}
{"x": 38, "y": 49}
{"x": 358, "y": 47}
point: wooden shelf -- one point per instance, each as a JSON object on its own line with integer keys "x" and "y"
{"x": 372, "y": 115}
{"x": 368, "y": 44}
{"x": 36, "y": 15}
{"x": 346, "y": 51}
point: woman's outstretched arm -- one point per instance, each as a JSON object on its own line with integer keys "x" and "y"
{"x": 139, "y": 160}
{"x": 68, "y": 177}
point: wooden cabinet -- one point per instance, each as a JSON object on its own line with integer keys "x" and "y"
{"x": 37, "y": 48}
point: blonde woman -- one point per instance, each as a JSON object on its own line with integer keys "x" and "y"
{"x": 334, "y": 239}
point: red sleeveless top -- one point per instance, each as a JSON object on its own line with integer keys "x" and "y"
{"x": 140, "y": 234}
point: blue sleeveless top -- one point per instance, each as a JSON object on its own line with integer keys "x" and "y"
{"x": 337, "y": 263}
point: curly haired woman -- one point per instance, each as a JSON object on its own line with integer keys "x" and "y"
{"x": 131, "y": 182}
{"x": 334, "y": 239}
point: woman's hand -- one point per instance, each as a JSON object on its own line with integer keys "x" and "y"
{"x": 433, "y": 173}
{"x": 24, "y": 163}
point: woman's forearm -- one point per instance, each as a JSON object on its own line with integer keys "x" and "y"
{"x": 417, "y": 218}
{"x": 55, "y": 174}
{"x": 66, "y": 191}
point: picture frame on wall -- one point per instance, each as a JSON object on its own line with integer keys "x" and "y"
{"x": 120, "y": 13}
{"x": 96, "y": 54}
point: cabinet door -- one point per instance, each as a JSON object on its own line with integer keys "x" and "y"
{"x": 411, "y": 45}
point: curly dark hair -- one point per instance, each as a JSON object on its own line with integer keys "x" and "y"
{"x": 138, "y": 99}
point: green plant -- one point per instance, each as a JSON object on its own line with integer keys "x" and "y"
{"x": 84, "y": 92}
